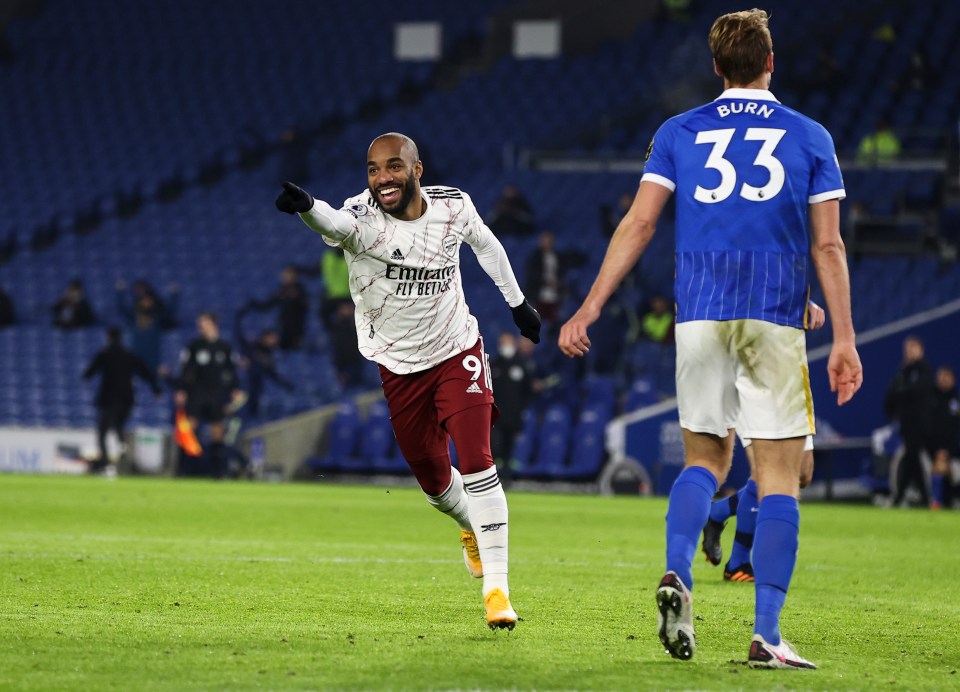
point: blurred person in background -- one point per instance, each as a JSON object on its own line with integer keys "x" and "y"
{"x": 347, "y": 360}
{"x": 945, "y": 437}
{"x": 909, "y": 401}
{"x": 146, "y": 316}
{"x": 72, "y": 309}
{"x": 512, "y": 213}
{"x": 657, "y": 325}
{"x": 207, "y": 389}
{"x": 513, "y": 375}
{"x": 8, "y": 314}
{"x": 545, "y": 277}
{"x": 293, "y": 303}
{"x": 335, "y": 276}
{"x": 882, "y": 145}
{"x": 115, "y": 396}
{"x": 610, "y": 217}
{"x": 257, "y": 359}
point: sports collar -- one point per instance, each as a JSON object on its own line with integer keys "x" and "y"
{"x": 749, "y": 94}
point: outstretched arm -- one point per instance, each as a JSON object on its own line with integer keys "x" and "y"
{"x": 319, "y": 216}
{"x": 628, "y": 243}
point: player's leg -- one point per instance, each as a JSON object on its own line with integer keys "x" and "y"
{"x": 940, "y": 470}
{"x": 104, "y": 423}
{"x": 778, "y": 420}
{"x": 707, "y": 462}
{"x": 423, "y": 442}
{"x": 424, "y": 445}
{"x": 218, "y": 462}
{"x": 907, "y": 469}
{"x": 742, "y": 504}
{"x": 707, "y": 404}
{"x": 739, "y": 567}
{"x": 464, "y": 404}
{"x": 775, "y": 549}
{"x": 487, "y": 505}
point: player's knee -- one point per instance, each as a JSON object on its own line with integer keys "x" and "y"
{"x": 432, "y": 474}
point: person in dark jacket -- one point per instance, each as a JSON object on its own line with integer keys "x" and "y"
{"x": 513, "y": 373}
{"x": 7, "y": 313}
{"x": 73, "y": 309}
{"x": 257, "y": 358}
{"x": 115, "y": 398}
{"x": 909, "y": 401}
{"x": 293, "y": 303}
{"x": 207, "y": 388}
{"x": 146, "y": 316}
{"x": 945, "y": 437}
{"x": 347, "y": 360}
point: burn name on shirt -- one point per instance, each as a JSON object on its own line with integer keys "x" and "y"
{"x": 751, "y": 107}
{"x": 413, "y": 281}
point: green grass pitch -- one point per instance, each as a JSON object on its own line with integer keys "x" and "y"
{"x": 151, "y": 584}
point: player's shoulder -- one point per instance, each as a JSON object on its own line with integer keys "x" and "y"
{"x": 814, "y": 134}
{"x": 359, "y": 205}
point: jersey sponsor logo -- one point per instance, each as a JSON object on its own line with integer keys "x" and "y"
{"x": 474, "y": 388}
{"x": 413, "y": 281}
{"x": 450, "y": 245}
{"x": 496, "y": 526}
{"x": 357, "y": 210}
{"x": 396, "y": 256}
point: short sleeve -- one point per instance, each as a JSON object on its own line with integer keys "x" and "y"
{"x": 826, "y": 180}
{"x": 660, "y": 167}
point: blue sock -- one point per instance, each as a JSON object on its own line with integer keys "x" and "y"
{"x": 687, "y": 512}
{"x": 746, "y": 525}
{"x": 724, "y": 508}
{"x": 936, "y": 487}
{"x": 774, "y": 557}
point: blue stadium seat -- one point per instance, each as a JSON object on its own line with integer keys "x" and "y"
{"x": 343, "y": 435}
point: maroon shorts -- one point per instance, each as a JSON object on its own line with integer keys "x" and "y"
{"x": 421, "y": 402}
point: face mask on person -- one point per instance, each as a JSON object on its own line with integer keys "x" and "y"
{"x": 508, "y": 350}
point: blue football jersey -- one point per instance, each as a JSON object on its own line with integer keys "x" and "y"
{"x": 745, "y": 169}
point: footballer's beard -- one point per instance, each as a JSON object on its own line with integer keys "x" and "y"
{"x": 399, "y": 206}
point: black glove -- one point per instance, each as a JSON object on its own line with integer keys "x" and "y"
{"x": 293, "y": 199}
{"x": 528, "y": 320}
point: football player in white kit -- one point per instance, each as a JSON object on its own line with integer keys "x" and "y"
{"x": 402, "y": 246}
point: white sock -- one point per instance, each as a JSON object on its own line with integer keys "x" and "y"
{"x": 488, "y": 514}
{"x": 453, "y": 501}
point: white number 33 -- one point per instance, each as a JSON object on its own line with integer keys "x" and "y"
{"x": 720, "y": 139}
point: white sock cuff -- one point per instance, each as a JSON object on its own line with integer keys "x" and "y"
{"x": 449, "y": 498}
{"x": 482, "y": 483}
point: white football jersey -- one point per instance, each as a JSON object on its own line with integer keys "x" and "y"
{"x": 405, "y": 276}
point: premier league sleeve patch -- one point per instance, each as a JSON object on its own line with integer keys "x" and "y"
{"x": 357, "y": 210}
